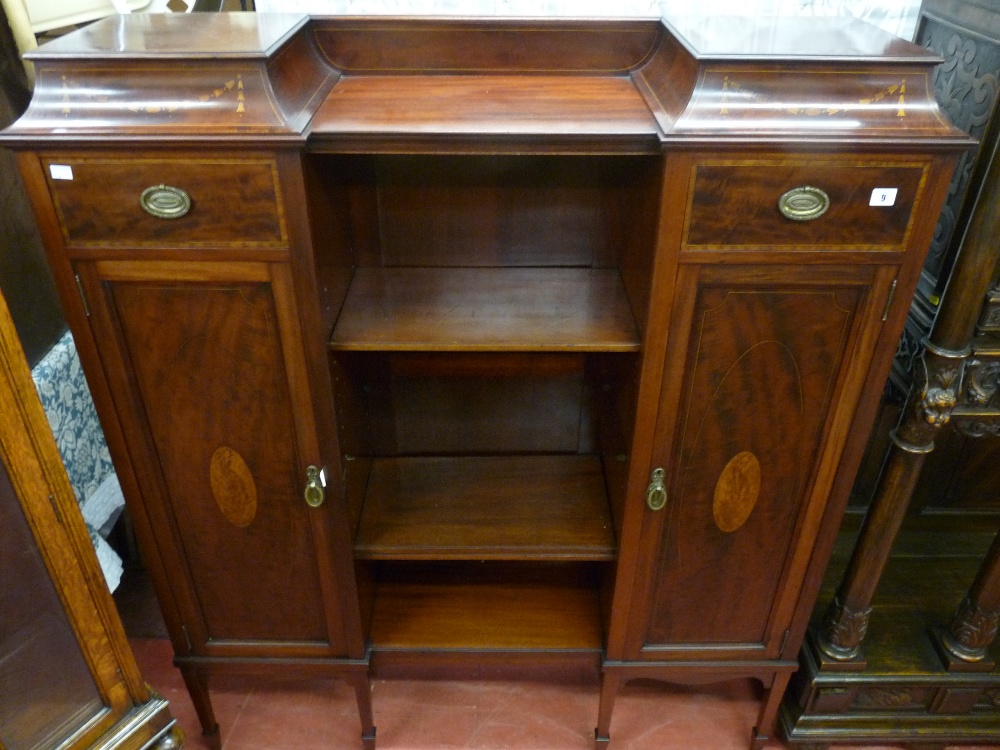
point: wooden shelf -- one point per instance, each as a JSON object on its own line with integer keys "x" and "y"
{"x": 471, "y": 610}
{"x": 381, "y": 111}
{"x": 486, "y": 508}
{"x": 486, "y": 309}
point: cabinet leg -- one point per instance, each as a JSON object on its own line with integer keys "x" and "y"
{"x": 610, "y": 682}
{"x": 197, "y": 686}
{"x": 363, "y": 693}
{"x": 767, "y": 720}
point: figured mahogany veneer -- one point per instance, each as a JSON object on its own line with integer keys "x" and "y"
{"x": 233, "y": 202}
{"x": 514, "y": 300}
{"x": 732, "y": 204}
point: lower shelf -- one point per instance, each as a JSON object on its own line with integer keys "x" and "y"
{"x": 486, "y": 508}
{"x": 485, "y": 607}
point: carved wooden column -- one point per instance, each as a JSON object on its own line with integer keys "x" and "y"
{"x": 974, "y": 626}
{"x": 933, "y": 396}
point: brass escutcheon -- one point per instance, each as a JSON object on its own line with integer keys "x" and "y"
{"x": 165, "y": 202}
{"x": 803, "y": 203}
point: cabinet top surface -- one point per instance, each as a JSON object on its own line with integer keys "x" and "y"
{"x": 419, "y": 84}
{"x": 193, "y": 36}
{"x": 260, "y": 34}
{"x": 792, "y": 38}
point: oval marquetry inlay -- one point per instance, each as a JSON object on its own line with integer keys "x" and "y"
{"x": 737, "y": 491}
{"x": 233, "y": 486}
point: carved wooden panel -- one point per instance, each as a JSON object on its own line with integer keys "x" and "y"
{"x": 966, "y": 86}
{"x": 762, "y": 367}
{"x": 225, "y": 450}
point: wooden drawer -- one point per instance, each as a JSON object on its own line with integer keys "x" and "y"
{"x": 233, "y": 202}
{"x": 734, "y": 204}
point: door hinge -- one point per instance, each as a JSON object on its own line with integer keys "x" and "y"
{"x": 187, "y": 638}
{"x": 888, "y": 302}
{"x": 83, "y": 295}
{"x": 784, "y": 642}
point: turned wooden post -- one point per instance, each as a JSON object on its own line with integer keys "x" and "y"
{"x": 933, "y": 396}
{"x": 974, "y": 625}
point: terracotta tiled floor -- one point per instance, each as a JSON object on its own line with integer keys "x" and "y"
{"x": 436, "y": 714}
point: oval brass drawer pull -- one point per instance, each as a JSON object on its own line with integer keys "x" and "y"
{"x": 803, "y": 203}
{"x": 165, "y": 202}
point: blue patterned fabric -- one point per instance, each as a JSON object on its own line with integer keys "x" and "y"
{"x": 70, "y": 409}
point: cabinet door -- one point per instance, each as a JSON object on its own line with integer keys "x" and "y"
{"x": 207, "y": 368}
{"x": 764, "y": 369}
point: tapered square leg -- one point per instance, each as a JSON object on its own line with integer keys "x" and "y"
{"x": 610, "y": 682}
{"x": 197, "y": 685}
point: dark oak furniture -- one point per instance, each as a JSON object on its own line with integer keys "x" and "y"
{"x": 427, "y": 343}
{"x": 907, "y": 652}
{"x": 67, "y": 676}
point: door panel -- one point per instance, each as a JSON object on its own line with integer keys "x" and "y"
{"x": 763, "y": 358}
{"x": 222, "y": 448}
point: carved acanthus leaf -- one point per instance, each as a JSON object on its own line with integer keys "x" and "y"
{"x": 843, "y": 629}
{"x": 972, "y": 628}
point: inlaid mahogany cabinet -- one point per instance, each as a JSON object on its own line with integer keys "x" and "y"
{"x": 429, "y": 343}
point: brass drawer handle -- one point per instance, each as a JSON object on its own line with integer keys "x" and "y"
{"x": 165, "y": 202}
{"x": 314, "y": 493}
{"x": 803, "y": 203}
{"x": 656, "y": 495}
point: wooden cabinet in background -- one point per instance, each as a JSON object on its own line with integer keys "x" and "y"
{"x": 67, "y": 676}
{"x": 565, "y": 359}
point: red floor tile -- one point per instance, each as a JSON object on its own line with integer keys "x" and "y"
{"x": 268, "y": 714}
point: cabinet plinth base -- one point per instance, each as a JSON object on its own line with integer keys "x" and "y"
{"x": 907, "y": 692}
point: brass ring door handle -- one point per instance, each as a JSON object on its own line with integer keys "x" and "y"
{"x": 656, "y": 494}
{"x": 314, "y": 492}
{"x": 165, "y": 202}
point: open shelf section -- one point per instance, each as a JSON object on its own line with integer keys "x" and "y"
{"x": 480, "y": 608}
{"x": 486, "y": 508}
{"x": 486, "y": 309}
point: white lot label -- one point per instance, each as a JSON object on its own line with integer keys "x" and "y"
{"x": 883, "y": 197}
{"x": 61, "y": 171}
